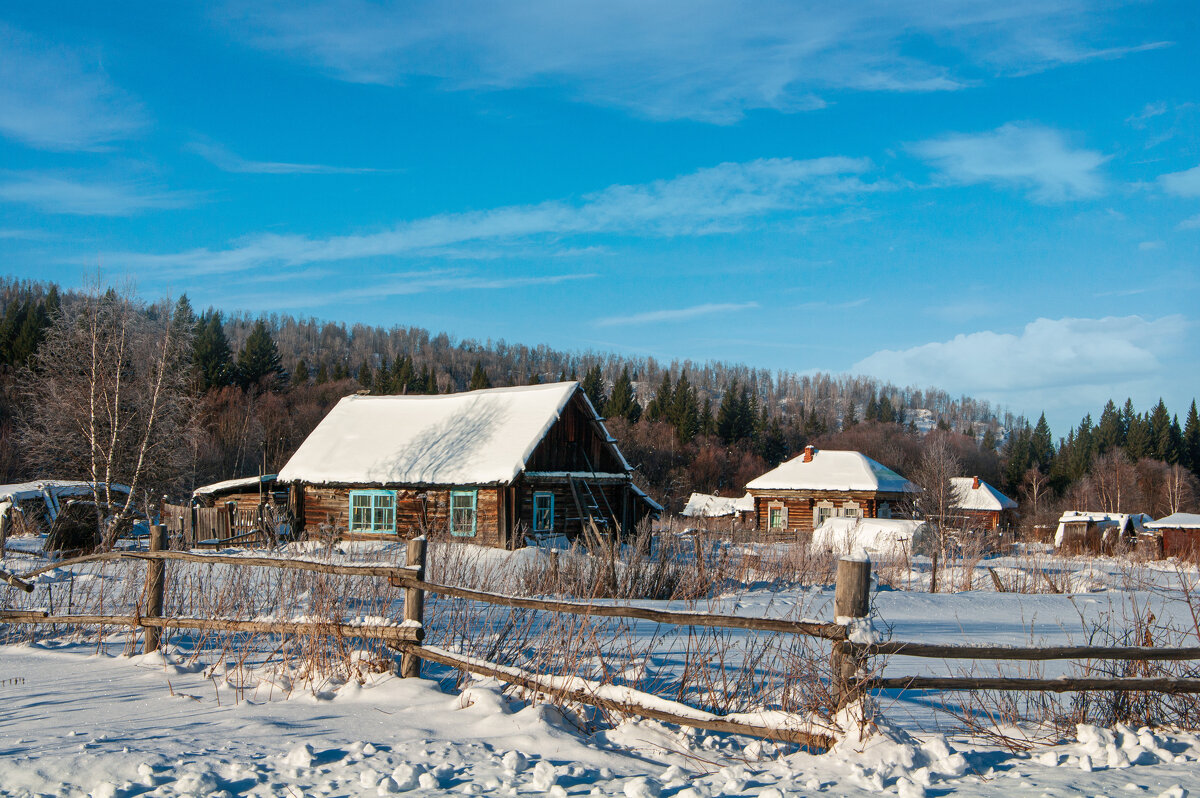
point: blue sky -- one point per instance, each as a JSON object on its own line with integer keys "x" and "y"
{"x": 998, "y": 199}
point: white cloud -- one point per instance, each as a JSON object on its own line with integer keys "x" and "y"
{"x": 52, "y": 194}
{"x": 52, "y": 97}
{"x": 1182, "y": 184}
{"x": 722, "y": 198}
{"x": 677, "y": 314}
{"x": 227, "y": 161}
{"x": 1147, "y": 246}
{"x": 1061, "y": 354}
{"x": 1190, "y": 223}
{"x": 1035, "y": 158}
{"x": 709, "y": 60}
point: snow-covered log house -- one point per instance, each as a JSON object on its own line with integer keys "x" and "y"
{"x": 486, "y": 467}
{"x": 979, "y": 505}
{"x": 803, "y": 492}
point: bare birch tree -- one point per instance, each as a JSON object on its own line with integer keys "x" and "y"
{"x": 107, "y": 400}
{"x": 937, "y": 466}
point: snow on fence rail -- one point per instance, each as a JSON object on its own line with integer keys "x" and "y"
{"x": 849, "y": 658}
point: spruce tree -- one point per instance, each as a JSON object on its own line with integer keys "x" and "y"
{"x": 322, "y": 373}
{"x": 622, "y": 403}
{"x": 1139, "y": 440}
{"x": 300, "y": 374}
{"x": 593, "y": 386}
{"x": 849, "y": 415}
{"x": 1110, "y": 431}
{"x": 988, "y": 443}
{"x": 479, "y": 378}
{"x": 211, "y": 356}
{"x": 340, "y": 371}
{"x": 1162, "y": 444}
{"x": 659, "y": 408}
{"x": 1190, "y": 447}
{"x": 1042, "y": 445}
{"x": 258, "y": 363}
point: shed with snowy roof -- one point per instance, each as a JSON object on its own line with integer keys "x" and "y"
{"x": 485, "y": 466}
{"x": 1180, "y": 534}
{"x": 705, "y": 505}
{"x": 979, "y": 505}
{"x": 1087, "y": 532}
{"x": 819, "y": 484}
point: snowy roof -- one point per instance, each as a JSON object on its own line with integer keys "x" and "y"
{"x": 704, "y": 505}
{"x": 833, "y": 470}
{"x": 654, "y": 506}
{"x": 233, "y": 484}
{"x": 851, "y": 536}
{"x": 984, "y": 497}
{"x": 1176, "y": 521}
{"x": 1122, "y": 521}
{"x": 24, "y": 491}
{"x": 475, "y": 438}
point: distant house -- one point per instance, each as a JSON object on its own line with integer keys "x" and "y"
{"x": 979, "y": 505}
{"x": 1082, "y": 532}
{"x": 34, "y": 507}
{"x": 704, "y": 505}
{"x": 824, "y": 483}
{"x": 1180, "y": 535}
{"x": 484, "y": 466}
{"x": 246, "y": 493}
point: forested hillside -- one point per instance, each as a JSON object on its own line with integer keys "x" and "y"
{"x": 260, "y": 384}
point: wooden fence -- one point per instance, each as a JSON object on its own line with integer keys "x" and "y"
{"x": 850, "y": 661}
{"x": 225, "y": 524}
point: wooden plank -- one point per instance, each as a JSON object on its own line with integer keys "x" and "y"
{"x": 933, "y": 651}
{"x": 407, "y": 634}
{"x": 542, "y": 684}
{"x": 9, "y": 579}
{"x": 1060, "y": 685}
{"x": 827, "y": 631}
{"x": 231, "y": 559}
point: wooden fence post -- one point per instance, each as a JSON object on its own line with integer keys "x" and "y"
{"x": 152, "y": 598}
{"x": 852, "y": 599}
{"x": 231, "y": 509}
{"x": 414, "y": 605}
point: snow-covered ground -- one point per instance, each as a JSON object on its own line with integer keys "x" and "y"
{"x": 78, "y": 723}
{"x": 78, "y": 719}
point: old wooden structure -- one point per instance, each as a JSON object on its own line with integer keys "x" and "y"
{"x": 824, "y": 483}
{"x": 247, "y": 493}
{"x": 1177, "y": 535}
{"x": 979, "y": 505}
{"x": 486, "y": 467}
{"x": 1099, "y": 533}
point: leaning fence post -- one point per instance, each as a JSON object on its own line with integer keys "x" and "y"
{"x": 414, "y": 605}
{"x": 152, "y": 599}
{"x": 852, "y": 600}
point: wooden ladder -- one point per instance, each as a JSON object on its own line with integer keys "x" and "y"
{"x": 595, "y": 524}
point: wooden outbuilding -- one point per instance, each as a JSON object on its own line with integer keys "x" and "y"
{"x": 706, "y": 505}
{"x": 978, "y": 505}
{"x": 247, "y": 493}
{"x": 802, "y": 493}
{"x": 1083, "y": 532}
{"x": 486, "y": 467}
{"x": 1179, "y": 534}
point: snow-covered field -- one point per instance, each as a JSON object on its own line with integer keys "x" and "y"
{"x": 79, "y": 719}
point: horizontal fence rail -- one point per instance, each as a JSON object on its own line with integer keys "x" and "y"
{"x": 1030, "y": 654}
{"x": 1064, "y": 684}
{"x": 401, "y": 634}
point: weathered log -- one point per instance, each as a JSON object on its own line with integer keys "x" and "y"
{"x": 935, "y": 651}
{"x": 156, "y": 578}
{"x": 852, "y": 599}
{"x": 406, "y": 634}
{"x": 1061, "y": 685}
{"x": 582, "y": 695}
{"x": 15, "y": 581}
{"x": 828, "y": 631}
{"x": 231, "y": 559}
{"x": 414, "y": 605}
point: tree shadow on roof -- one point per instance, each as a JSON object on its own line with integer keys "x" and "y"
{"x": 446, "y": 450}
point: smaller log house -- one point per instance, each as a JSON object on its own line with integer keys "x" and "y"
{"x": 978, "y": 505}
{"x": 803, "y": 492}
{"x": 487, "y": 466}
{"x": 1082, "y": 532}
{"x": 1179, "y": 534}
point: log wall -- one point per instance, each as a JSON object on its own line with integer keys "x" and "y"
{"x": 419, "y": 511}
{"x": 801, "y": 505}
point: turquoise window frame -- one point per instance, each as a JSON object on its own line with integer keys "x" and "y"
{"x": 378, "y": 512}
{"x": 537, "y": 497}
{"x": 455, "y": 529}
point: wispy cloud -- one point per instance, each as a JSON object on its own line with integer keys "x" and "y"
{"x": 55, "y": 98}
{"x": 718, "y": 199}
{"x": 1182, "y": 184}
{"x": 853, "y": 303}
{"x": 1147, "y": 246}
{"x": 396, "y": 285}
{"x": 1046, "y": 354}
{"x": 52, "y": 194}
{"x": 677, "y": 59}
{"x": 1031, "y": 157}
{"x": 678, "y": 314}
{"x": 228, "y": 161}
{"x": 1190, "y": 223}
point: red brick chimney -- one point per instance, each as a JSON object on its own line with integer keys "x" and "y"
{"x": 974, "y": 483}
{"x": 809, "y": 451}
